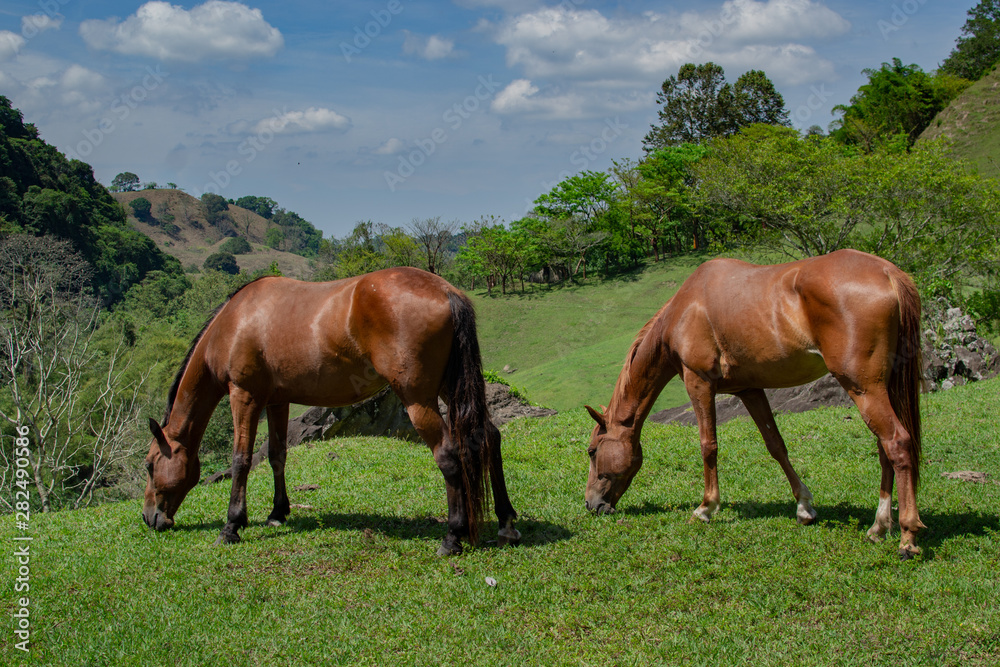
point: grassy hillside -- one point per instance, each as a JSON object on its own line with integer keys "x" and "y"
{"x": 352, "y": 579}
{"x": 972, "y": 123}
{"x": 568, "y": 342}
{"x": 194, "y": 239}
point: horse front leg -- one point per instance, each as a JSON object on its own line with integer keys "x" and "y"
{"x": 506, "y": 515}
{"x": 703, "y": 402}
{"x": 246, "y": 414}
{"x": 277, "y": 449}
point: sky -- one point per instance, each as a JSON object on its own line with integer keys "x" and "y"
{"x": 391, "y": 110}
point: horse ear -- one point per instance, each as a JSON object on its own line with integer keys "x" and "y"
{"x": 598, "y": 417}
{"x": 161, "y": 439}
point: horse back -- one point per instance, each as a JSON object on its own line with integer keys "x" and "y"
{"x": 778, "y": 325}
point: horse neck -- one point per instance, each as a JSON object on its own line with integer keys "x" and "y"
{"x": 198, "y": 393}
{"x": 646, "y": 372}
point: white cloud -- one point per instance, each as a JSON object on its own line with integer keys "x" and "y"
{"x": 216, "y": 29}
{"x": 312, "y": 119}
{"x": 563, "y": 42}
{"x": 390, "y": 147}
{"x": 33, "y": 24}
{"x": 10, "y": 44}
{"x": 428, "y": 48}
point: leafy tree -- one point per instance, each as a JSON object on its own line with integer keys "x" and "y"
{"x": 125, "y": 182}
{"x": 499, "y": 254}
{"x": 274, "y": 238}
{"x": 141, "y": 207}
{"x": 978, "y": 49}
{"x": 262, "y": 206}
{"x": 897, "y": 100}
{"x": 149, "y": 186}
{"x": 921, "y": 209}
{"x": 301, "y": 237}
{"x": 236, "y": 245}
{"x": 223, "y": 262}
{"x": 698, "y": 105}
{"x": 214, "y": 208}
{"x": 398, "y": 247}
{"x": 574, "y": 209}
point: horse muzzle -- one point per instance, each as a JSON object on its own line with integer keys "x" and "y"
{"x": 600, "y": 507}
{"x": 156, "y": 519}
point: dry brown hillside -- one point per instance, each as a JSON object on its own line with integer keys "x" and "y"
{"x": 178, "y": 226}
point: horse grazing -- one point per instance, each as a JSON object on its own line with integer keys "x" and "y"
{"x": 278, "y": 341}
{"x": 737, "y": 328}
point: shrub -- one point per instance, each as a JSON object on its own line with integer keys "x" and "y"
{"x": 141, "y": 207}
{"x": 236, "y": 245}
{"x": 223, "y": 262}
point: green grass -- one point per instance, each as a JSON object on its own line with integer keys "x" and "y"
{"x": 568, "y": 342}
{"x": 353, "y": 580}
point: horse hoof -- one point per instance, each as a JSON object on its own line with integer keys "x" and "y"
{"x": 275, "y": 523}
{"x": 508, "y": 537}
{"x": 449, "y": 551}
{"x": 228, "y": 538}
{"x": 907, "y": 552}
{"x": 700, "y": 517}
{"x": 806, "y": 519}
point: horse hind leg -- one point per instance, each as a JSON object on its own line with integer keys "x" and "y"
{"x": 277, "y": 450}
{"x": 431, "y": 427}
{"x": 759, "y": 408}
{"x": 896, "y": 459}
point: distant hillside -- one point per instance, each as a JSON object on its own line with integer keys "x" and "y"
{"x": 178, "y": 226}
{"x": 972, "y": 123}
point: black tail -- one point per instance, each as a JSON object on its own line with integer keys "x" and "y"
{"x": 907, "y": 373}
{"x": 472, "y": 432}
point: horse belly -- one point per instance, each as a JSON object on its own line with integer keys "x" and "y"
{"x": 774, "y": 372}
{"x": 328, "y": 383}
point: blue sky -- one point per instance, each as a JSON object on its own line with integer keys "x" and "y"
{"x": 391, "y": 110}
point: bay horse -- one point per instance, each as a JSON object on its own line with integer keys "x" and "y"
{"x": 738, "y": 328}
{"x": 278, "y": 341}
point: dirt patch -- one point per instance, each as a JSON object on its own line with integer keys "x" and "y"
{"x": 505, "y": 406}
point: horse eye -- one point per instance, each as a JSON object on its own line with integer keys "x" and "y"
{"x": 591, "y": 451}
{"x": 149, "y": 467}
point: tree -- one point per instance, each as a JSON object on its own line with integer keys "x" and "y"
{"x": 573, "y": 209}
{"x": 262, "y": 206}
{"x": 214, "y": 208}
{"x": 223, "y": 262}
{"x": 663, "y": 197}
{"x": 125, "y": 182}
{"x": 65, "y": 378}
{"x": 433, "y": 236}
{"x": 920, "y": 208}
{"x": 274, "y": 238}
{"x": 978, "y": 49}
{"x": 236, "y": 245}
{"x": 698, "y": 105}
{"x": 897, "y": 100}
{"x": 141, "y": 207}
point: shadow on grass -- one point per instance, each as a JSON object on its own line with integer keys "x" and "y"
{"x": 534, "y": 532}
{"x": 941, "y": 526}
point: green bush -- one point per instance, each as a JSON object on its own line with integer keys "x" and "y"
{"x": 237, "y": 245}
{"x": 141, "y": 207}
{"x": 223, "y": 262}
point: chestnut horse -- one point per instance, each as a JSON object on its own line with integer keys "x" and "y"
{"x": 278, "y": 341}
{"x": 737, "y": 328}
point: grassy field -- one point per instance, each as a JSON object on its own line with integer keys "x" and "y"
{"x": 568, "y": 342}
{"x": 352, "y": 579}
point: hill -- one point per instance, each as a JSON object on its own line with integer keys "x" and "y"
{"x": 972, "y": 123}
{"x": 352, "y": 579}
{"x": 178, "y": 226}
{"x": 567, "y": 342}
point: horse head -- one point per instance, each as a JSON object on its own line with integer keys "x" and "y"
{"x": 172, "y": 473}
{"x": 614, "y": 461}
